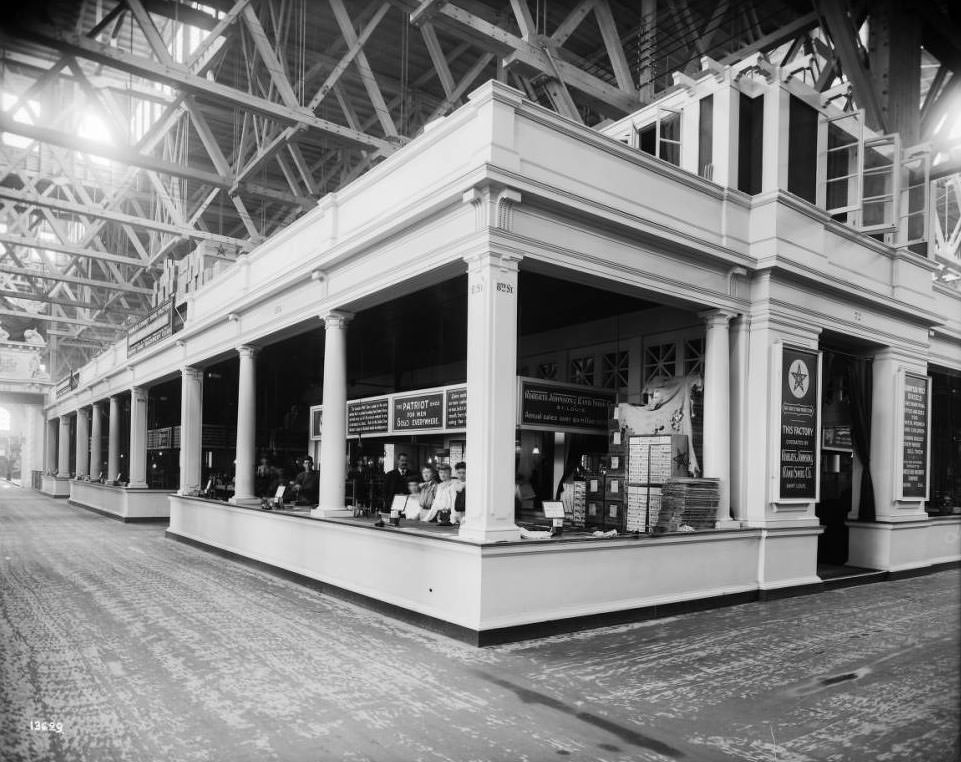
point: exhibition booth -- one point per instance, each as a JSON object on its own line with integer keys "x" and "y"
{"x": 583, "y": 324}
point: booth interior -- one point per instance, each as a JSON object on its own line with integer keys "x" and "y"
{"x": 945, "y": 442}
{"x": 163, "y": 435}
{"x": 610, "y": 411}
{"x": 586, "y": 356}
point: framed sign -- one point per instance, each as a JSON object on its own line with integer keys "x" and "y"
{"x": 915, "y": 422}
{"x": 316, "y": 421}
{"x": 837, "y": 438}
{"x": 418, "y": 412}
{"x": 455, "y": 415}
{"x": 155, "y": 326}
{"x": 549, "y": 406}
{"x": 368, "y": 416}
{"x": 798, "y": 421}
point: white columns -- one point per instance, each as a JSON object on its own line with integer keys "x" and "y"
{"x": 247, "y": 425}
{"x": 333, "y": 439}
{"x": 739, "y": 404}
{"x": 113, "y": 440}
{"x": 491, "y": 397}
{"x": 776, "y": 134}
{"x": 83, "y": 444}
{"x": 50, "y": 452}
{"x": 724, "y": 146}
{"x": 63, "y": 448}
{"x": 191, "y": 429}
{"x": 96, "y": 432}
{"x": 717, "y": 408}
{"x": 138, "y": 437}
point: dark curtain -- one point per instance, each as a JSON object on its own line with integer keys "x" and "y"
{"x": 860, "y": 385}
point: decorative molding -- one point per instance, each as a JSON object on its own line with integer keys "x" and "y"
{"x": 336, "y": 319}
{"x": 493, "y": 208}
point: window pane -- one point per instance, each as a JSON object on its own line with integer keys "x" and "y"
{"x": 582, "y": 371}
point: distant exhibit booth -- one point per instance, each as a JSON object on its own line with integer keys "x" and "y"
{"x": 711, "y": 335}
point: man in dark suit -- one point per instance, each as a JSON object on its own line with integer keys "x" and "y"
{"x": 395, "y": 481}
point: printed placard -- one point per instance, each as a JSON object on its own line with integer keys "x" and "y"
{"x": 797, "y": 465}
{"x": 914, "y": 453}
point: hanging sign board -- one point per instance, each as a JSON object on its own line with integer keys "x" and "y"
{"x": 836, "y": 438}
{"x": 417, "y": 412}
{"x": 368, "y": 416}
{"x": 914, "y": 450}
{"x": 456, "y": 408}
{"x": 155, "y": 326}
{"x": 798, "y": 462}
{"x": 563, "y": 407}
{"x": 66, "y": 386}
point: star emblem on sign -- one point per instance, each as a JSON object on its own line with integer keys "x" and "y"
{"x": 682, "y": 459}
{"x": 800, "y": 378}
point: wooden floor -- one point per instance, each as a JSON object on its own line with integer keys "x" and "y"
{"x": 140, "y": 648}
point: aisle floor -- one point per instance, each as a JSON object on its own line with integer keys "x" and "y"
{"x": 137, "y": 647}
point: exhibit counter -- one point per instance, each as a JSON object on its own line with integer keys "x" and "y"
{"x": 905, "y": 546}
{"x": 55, "y": 486}
{"x": 128, "y": 504}
{"x": 484, "y": 593}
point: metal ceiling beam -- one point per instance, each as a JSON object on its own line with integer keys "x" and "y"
{"x": 179, "y": 77}
{"x": 36, "y": 199}
{"x": 63, "y": 248}
{"x": 465, "y": 25}
{"x": 128, "y": 156}
{"x": 58, "y": 319}
{"x": 29, "y": 272}
{"x": 849, "y": 53}
{"x": 30, "y": 296}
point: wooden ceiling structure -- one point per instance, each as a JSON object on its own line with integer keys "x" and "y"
{"x": 136, "y": 131}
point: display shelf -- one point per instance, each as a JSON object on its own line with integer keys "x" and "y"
{"x": 643, "y": 507}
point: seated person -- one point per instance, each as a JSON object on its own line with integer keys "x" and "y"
{"x": 278, "y": 478}
{"x": 428, "y": 488}
{"x": 460, "y": 492}
{"x": 262, "y": 477}
{"x": 412, "y": 508}
{"x": 307, "y": 484}
{"x": 443, "y": 506}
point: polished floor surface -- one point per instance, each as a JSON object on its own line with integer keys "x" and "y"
{"x": 130, "y": 646}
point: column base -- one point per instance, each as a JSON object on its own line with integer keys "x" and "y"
{"x": 332, "y": 513}
{"x": 137, "y": 485}
{"x": 727, "y": 524}
{"x": 503, "y": 533}
{"x": 898, "y": 545}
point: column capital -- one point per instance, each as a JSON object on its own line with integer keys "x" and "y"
{"x": 248, "y": 350}
{"x": 717, "y": 316}
{"x": 505, "y": 262}
{"x": 138, "y": 393}
{"x": 96, "y": 405}
{"x": 189, "y": 371}
{"x": 336, "y": 319}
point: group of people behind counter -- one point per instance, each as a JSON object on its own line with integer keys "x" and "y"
{"x": 431, "y": 494}
{"x": 434, "y": 494}
{"x": 303, "y": 489}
